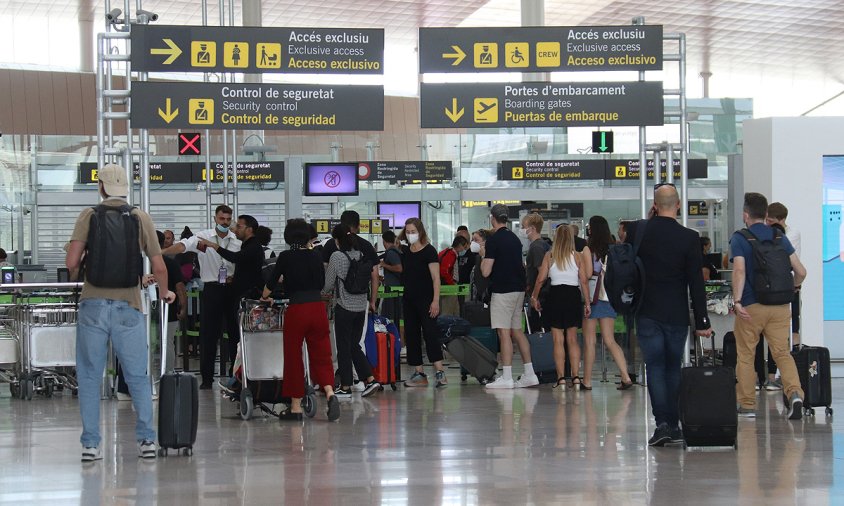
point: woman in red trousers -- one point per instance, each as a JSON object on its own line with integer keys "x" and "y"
{"x": 302, "y": 275}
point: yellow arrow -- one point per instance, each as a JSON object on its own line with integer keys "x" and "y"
{"x": 169, "y": 115}
{"x": 173, "y": 51}
{"x": 454, "y": 114}
{"x": 458, "y": 55}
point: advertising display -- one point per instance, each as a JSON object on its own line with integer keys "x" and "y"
{"x": 400, "y": 211}
{"x": 331, "y": 179}
{"x": 833, "y": 238}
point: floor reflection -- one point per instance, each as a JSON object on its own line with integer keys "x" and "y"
{"x": 460, "y": 445}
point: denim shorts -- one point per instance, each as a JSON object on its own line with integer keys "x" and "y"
{"x": 602, "y": 309}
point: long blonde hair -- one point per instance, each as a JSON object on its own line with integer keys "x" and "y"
{"x": 562, "y": 252}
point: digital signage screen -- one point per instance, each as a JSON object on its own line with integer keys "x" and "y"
{"x": 400, "y": 211}
{"x": 331, "y": 179}
{"x": 833, "y": 233}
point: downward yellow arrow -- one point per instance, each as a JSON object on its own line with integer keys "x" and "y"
{"x": 173, "y": 50}
{"x": 458, "y": 55}
{"x": 454, "y": 115}
{"x": 168, "y": 115}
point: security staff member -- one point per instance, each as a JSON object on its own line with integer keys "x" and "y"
{"x": 218, "y": 301}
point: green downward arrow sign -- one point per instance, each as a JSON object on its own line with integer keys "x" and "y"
{"x": 603, "y": 146}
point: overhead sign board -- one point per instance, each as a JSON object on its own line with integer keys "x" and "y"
{"x": 566, "y": 170}
{"x": 187, "y": 172}
{"x": 490, "y": 105}
{"x": 161, "y": 48}
{"x": 405, "y": 171}
{"x": 248, "y": 172}
{"x": 540, "y": 49}
{"x": 367, "y": 226}
{"x": 159, "y": 172}
{"x": 242, "y": 106}
{"x": 629, "y": 169}
{"x": 590, "y": 169}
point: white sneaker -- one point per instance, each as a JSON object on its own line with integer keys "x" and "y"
{"x": 500, "y": 382}
{"x": 147, "y": 450}
{"x": 525, "y": 381}
{"x": 92, "y": 454}
{"x": 358, "y": 386}
{"x": 123, "y": 397}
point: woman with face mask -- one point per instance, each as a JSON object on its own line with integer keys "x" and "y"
{"x": 421, "y": 279}
{"x": 480, "y": 284}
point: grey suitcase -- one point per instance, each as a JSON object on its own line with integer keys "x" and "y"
{"x": 474, "y": 357}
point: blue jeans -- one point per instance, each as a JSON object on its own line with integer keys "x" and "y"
{"x": 99, "y": 321}
{"x": 662, "y": 345}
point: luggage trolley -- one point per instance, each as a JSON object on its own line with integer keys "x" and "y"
{"x": 262, "y": 353}
{"x": 44, "y": 321}
{"x": 9, "y": 345}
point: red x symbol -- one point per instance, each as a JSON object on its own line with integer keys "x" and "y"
{"x": 189, "y": 142}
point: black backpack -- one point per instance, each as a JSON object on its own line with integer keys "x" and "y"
{"x": 113, "y": 252}
{"x": 358, "y": 276}
{"x": 624, "y": 275}
{"x": 773, "y": 281}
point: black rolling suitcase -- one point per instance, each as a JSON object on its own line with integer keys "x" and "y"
{"x": 815, "y": 379}
{"x": 730, "y": 352}
{"x": 473, "y": 356}
{"x": 708, "y": 413}
{"x": 178, "y": 404}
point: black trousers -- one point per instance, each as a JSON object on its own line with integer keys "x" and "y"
{"x": 417, "y": 324}
{"x": 759, "y": 363}
{"x": 218, "y": 311}
{"x": 348, "y": 327}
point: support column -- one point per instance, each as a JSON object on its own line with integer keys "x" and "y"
{"x": 86, "y": 44}
{"x": 533, "y": 14}
{"x": 252, "y": 14}
{"x": 293, "y": 177}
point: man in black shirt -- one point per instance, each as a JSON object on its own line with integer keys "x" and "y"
{"x": 248, "y": 261}
{"x": 579, "y": 242}
{"x": 352, "y": 220}
{"x": 503, "y": 265}
{"x": 673, "y": 271}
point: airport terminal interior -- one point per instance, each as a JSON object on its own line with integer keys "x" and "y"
{"x": 427, "y": 109}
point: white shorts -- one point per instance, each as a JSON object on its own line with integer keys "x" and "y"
{"x": 506, "y": 310}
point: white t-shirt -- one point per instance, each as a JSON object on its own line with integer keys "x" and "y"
{"x": 210, "y": 261}
{"x": 794, "y": 238}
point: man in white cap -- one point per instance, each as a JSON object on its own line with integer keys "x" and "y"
{"x": 112, "y": 236}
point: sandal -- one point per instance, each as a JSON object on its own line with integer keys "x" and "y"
{"x": 576, "y": 383}
{"x": 584, "y": 386}
{"x": 625, "y": 386}
{"x": 561, "y": 382}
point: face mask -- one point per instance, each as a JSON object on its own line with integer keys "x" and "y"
{"x": 523, "y": 232}
{"x": 475, "y": 247}
{"x": 222, "y": 229}
{"x": 461, "y": 253}
{"x": 412, "y": 238}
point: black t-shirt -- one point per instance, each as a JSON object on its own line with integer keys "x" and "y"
{"x": 535, "y": 257}
{"x": 303, "y": 275}
{"x": 508, "y": 271}
{"x": 465, "y": 265}
{"x": 174, "y": 276}
{"x": 579, "y": 243}
{"x": 361, "y": 245}
{"x": 416, "y": 273}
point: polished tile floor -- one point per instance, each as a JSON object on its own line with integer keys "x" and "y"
{"x": 460, "y": 445}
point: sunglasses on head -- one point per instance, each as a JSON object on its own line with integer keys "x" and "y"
{"x": 660, "y": 185}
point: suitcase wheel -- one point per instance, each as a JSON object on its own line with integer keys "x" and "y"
{"x": 162, "y": 452}
{"x": 188, "y": 451}
{"x": 463, "y": 377}
{"x": 828, "y": 411}
{"x": 246, "y": 404}
{"x": 309, "y": 405}
{"x": 393, "y": 386}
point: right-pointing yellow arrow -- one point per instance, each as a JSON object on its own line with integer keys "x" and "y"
{"x": 173, "y": 50}
{"x": 168, "y": 115}
{"x": 454, "y": 115}
{"x": 458, "y": 55}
